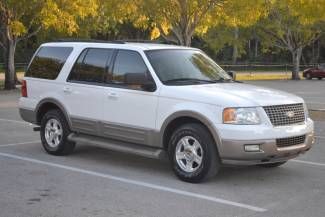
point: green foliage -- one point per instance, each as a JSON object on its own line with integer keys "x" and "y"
{"x": 292, "y": 24}
{"x": 26, "y": 16}
{"x": 22, "y": 19}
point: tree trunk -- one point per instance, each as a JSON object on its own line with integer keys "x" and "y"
{"x": 235, "y": 47}
{"x": 256, "y": 49}
{"x": 296, "y": 56}
{"x": 10, "y": 65}
{"x": 187, "y": 40}
{"x": 318, "y": 51}
{"x": 249, "y": 50}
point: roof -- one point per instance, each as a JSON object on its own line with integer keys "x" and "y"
{"x": 126, "y": 45}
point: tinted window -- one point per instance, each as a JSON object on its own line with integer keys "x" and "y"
{"x": 48, "y": 62}
{"x": 91, "y": 65}
{"x": 185, "y": 67}
{"x": 129, "y": 69}
{"x": 322, "y": 66}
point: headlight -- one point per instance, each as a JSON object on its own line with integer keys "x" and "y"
{"x": 241, "y": 116}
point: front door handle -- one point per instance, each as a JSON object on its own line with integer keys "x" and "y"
{"x": 112, "y": 95}
{"x": 67, "y": 90}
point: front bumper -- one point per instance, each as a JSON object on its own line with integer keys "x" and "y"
{"x": 232, "y": 151}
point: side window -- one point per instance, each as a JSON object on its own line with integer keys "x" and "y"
{"x": 48, "y": 62}
{"x": 129, "y": 70}
{"x": 91, "y": 65}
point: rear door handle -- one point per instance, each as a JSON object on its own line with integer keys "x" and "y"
{"x": 67, "y": 90}
{"x": 112, "y": 95}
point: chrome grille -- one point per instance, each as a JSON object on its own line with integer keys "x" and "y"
{"x": 281, "y": 115}
{"x": 284, "y": 142}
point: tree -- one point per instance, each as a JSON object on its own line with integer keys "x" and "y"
{"x": 120, "y": 19}
{"x": 292, "y": 25}
{"x": 21, "y": 19}
{"x": 177, "y": 20}
{"x": 231, "y": 22}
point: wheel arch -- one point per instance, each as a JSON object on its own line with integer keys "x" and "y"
{"x": 183, "y": 117}
{"x": 48, "y": 104}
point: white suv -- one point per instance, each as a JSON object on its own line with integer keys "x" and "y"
{"x": 159, "y": 100}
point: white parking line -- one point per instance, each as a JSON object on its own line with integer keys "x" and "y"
{"x": 309, "y": 162}
{"x": 307, "y": 92}
{"x": 14, "y": 121}
{"x": 21, "y": 143}
{"x": 138, "y": 183}
{"x": 320, "y": 137}
{"x": 317, "y": 103}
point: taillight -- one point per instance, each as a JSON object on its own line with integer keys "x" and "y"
{"x": 24, "y": 89}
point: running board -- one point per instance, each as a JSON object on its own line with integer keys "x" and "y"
{"x": 120, "y": 146}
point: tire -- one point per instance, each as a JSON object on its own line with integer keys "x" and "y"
{"x": 272, "y": 165}
{"x": 57, "y": 126}
{"x": 308, "y": 76}
{"x": 182, "y": 142}
{"x": 320, "y": 78}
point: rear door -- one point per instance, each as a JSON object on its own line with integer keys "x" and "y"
{"x": 129, "y": 110}
{"x": 84, "y": 89}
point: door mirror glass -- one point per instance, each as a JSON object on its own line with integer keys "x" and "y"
{"x": 232, "y": 74}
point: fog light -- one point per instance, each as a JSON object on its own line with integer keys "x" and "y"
{"x": 252, "y": 148}
{"x": 313, "y": 137}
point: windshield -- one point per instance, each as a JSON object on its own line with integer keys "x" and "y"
{"x": 181, "y": 67}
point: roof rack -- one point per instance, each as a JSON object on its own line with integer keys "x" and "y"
{"x": 143, "y": 41}
{"x": 87, "y": 40}
{"x": 122, "y": 41}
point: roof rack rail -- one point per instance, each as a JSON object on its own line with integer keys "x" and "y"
{"x": 87, "y": 40}
{"x": 142, "y": 41}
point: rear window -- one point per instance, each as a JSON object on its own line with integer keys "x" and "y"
{"x": 48, "y": 62}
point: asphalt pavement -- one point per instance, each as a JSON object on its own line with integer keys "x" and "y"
{"x": 99, "y": 182}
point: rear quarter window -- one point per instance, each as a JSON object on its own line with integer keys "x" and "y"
{"x": 48, "y": 62}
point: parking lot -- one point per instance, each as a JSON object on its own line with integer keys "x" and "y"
{"x": 98, "y": 182}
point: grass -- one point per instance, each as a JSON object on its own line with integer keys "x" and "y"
{"x": 263, "y": 76}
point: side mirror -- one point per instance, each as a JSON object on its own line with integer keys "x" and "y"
{"x": 141, "y": 80}
{"x": 232, "y": 74}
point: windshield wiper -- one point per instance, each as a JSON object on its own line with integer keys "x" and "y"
{"x": 191, "y": 80}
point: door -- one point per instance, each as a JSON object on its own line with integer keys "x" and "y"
{"x": 130, "y": 109}
{"x": 84, "y": 90}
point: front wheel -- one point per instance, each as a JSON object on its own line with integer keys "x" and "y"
{"x": 320, "y": 78}
{"x": 308, "y": 76}
{"x": 193, "y": 153}
{"x": 271, "y": 165}
{"x": 54, "y": 133}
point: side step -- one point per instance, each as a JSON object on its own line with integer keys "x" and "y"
{"x": 120, "y": 146}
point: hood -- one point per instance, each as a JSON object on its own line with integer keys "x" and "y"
{"x": 231, "y": 94}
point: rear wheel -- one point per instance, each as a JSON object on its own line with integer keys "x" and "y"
{"x": 54, "y": 133}
{"x": 193, "y": 154}
{"x": 271, "y": 165}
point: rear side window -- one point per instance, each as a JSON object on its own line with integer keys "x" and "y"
{"x": 48, "y": 62}
{"x": 91, "y": 65}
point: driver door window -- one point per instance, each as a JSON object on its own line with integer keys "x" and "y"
{"x": 129, "y": 70}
